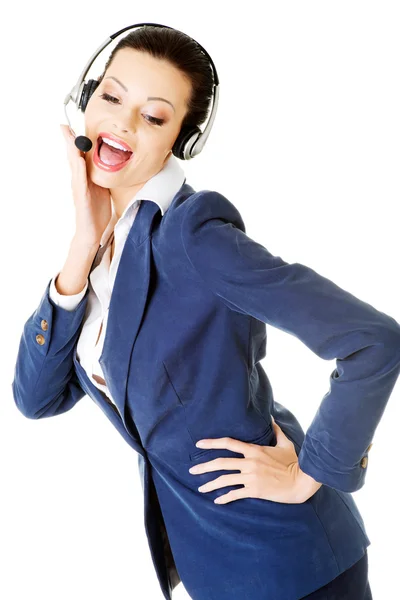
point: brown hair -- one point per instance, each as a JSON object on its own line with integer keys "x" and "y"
{"x": 184, "y": 54}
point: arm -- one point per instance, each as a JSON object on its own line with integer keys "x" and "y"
{"x": 70, "y": 301}
{"x": 330, "y": 321}
{"x": 45, "y": 382}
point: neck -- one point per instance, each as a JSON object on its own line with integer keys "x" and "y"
{"x": 121, "y": 196}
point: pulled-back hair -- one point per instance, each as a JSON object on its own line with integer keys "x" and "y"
{"x": 183, "y": 53}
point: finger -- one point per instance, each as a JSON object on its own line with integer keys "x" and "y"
{"x": 233, "y": 495}
{"x": 219, "y": 464}
{"x": 67, "y": 130}
{"x": 224, "y": 481}
{"x": 227, "y": 443}
{"x": 69, "y": 137}
{"x": 69, "y": 141}
{"x": 281, "y": 439}
{"x": 82, "y": 172}
{"x": 73, "y": 153}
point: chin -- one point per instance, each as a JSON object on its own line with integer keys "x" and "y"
{"x": 99, "y": 177}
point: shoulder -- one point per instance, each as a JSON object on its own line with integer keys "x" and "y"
{"x": 211, "y": 230}
{"x": 208, "y": 205}
{"x": 201, "y": 219}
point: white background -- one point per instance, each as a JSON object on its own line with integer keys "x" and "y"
{"x": 305, "y": 144}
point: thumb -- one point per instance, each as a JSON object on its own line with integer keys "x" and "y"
{"x": 67, "y": 132}
{"x": 281, "y": 439}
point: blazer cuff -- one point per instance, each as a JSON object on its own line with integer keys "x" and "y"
{"x": 317, "y": 462}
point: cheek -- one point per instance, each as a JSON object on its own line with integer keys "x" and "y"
{"x": 89, "y": 121}
{"x": 91, "y": 109}
{"x": 155, "y": 143}
{"x": 95, "y": 114}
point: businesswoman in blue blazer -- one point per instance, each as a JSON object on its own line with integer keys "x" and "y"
{"x": 159, "y": 315}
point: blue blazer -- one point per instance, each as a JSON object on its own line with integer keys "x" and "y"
{"x": 186, "y": 333}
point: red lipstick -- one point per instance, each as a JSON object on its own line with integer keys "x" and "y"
{"x": 110, "y": 168}
{"x": 114, "y": 138}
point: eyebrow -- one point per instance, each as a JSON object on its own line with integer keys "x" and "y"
{"x": 148, "y": 98}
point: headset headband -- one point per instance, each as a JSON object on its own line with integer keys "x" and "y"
{"x": 190, "y": 140}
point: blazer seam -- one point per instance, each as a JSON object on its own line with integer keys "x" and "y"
{"x": 40, "y": 371}
{"x": 206, "y": 284}
{"x": 348, "y": 508}
{"x": 179, "y": 400}
{"x": 248, "y": 344}
{"x": 258, "y": 349}
{"x": 326, "y": 535}
{"x": 135, "y": 245}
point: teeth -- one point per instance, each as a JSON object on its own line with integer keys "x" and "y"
{"x": 114, "y": 144}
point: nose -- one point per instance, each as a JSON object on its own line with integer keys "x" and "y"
{"x": 120, "y": 129}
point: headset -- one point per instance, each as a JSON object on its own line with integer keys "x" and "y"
{"x": 190, "y": 140}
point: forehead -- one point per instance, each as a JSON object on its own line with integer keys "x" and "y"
{"x": 141, "y": 72}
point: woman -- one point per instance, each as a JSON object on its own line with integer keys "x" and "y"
{"x": 164, "y": 328}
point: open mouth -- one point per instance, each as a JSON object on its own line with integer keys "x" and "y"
{"x": 110, "y": 158}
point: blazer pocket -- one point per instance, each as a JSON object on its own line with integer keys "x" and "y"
{"x": 172, "y": 384}
{"x": 209, "y": 453}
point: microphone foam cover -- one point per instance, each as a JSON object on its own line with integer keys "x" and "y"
{"x": 83, "y": 143}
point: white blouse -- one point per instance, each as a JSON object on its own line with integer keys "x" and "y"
{"x": 161, "y": 188}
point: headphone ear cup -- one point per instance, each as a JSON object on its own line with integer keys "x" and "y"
{"x": 87, "y": 91}
{"x": 186, "y": 132}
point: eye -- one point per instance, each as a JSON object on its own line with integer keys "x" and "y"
{"x": 109, "y": 98}
{"x": 155, "y": 120}
{"x": 113, "y": 100}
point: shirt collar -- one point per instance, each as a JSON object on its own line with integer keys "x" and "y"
{"x": 161, "y": 189}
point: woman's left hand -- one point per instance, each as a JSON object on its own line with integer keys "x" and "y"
{"x": 267, "y": 472}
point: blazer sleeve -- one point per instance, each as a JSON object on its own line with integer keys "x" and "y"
{"x": 329, "y": 320}
{"x": 45, "y": 382}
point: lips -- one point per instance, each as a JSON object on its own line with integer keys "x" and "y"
{"x": 114, "y": 138}
{"x": 107, "y": 167}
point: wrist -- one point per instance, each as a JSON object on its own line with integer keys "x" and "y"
{"x": 307, "y": 485}
{"x": 82, "y": 244}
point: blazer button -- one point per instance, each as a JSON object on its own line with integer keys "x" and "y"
{"x": 40, "y": 339}
{"x": 44, "y": 324}
{"x": 369, "y": 447}
{"x": 364, "y": 461}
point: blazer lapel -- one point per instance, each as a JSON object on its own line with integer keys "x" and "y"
{"x": 128, "y": 301}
